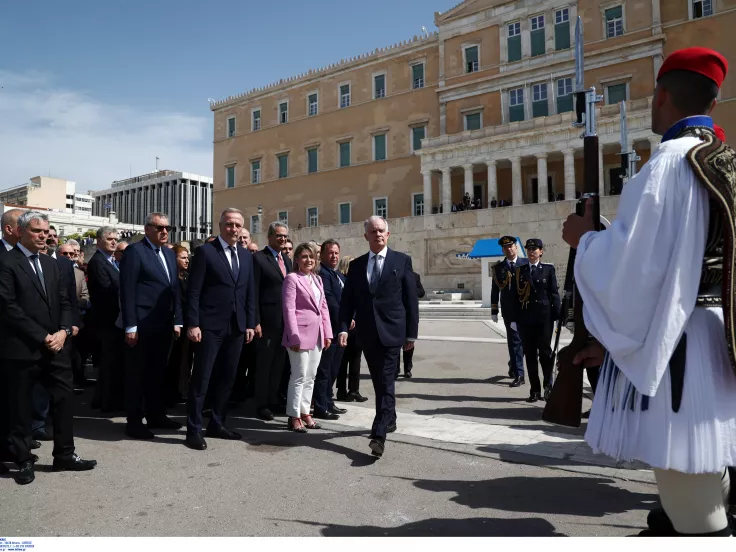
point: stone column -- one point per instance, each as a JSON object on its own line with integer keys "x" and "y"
{"x": 542, "y": 191}
{"x": 446, "y": 190}
{"x": 601, "y": 179}
{"x": 468, "y": 180}
{"x": 569, "y": 173}
{"x": 492, "y": 185}
{"x": 427, "y": 192}
{"x": 516, "y": 193}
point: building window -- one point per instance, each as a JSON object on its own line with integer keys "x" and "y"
{"x": 516, "y": 105}
{"x": 513, "y": 42}
{"x": 312, "y": 217}
{"x": 344, "y": 95}
{"x": 230, "y": 176}
{"x": 417, "y": 135}
{"x": 255, "y": 170}
{"x": 284, "y": 217}
{"x": 344, "y": 154}
{"x": 257, "y": 119}
{"x": 312, "y": 100}
{"x": 230, "y": 127}
{"x": 312, "y": 160}
{"x": 345, "y": 213}
{"x": 702, "y": 8}
{"x": 254, "y": 224}
{"x": 614, "y": 22}
{"x": 562, "y": 29}
{"x": 283, "y": 113}
{"x": 537, "y": 35}
{"x": 616, "y": 93}
{"x": 417, "y": 75}
{"x": 417, "y": 202}
{"x": 539, "y": 104}
{"x": 473, "y": 121}
{"x": 379, "y": 147}
{"x": 472, "y": 62}
{"x": 283, "y": 160}
{"x": 564, "y": 95}
{"x": 379, "y": 86}
{"x": 380, "y": 207}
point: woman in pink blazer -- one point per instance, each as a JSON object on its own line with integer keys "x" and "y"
{"x": 307, "y": 331}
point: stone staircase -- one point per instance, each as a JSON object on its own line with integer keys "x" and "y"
{"x": 437, "y": 309}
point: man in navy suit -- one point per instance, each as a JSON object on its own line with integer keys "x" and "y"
{"x": 329, "y": 365}
{"x": 150, "y": 305}
{"x": 220, "y": 310}
{"x": 382, "y": 293}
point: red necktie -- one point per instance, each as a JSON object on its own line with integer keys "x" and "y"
{"x": 282, "y": 266}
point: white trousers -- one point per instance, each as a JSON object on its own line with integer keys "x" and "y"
{"x": 301, "y": 383}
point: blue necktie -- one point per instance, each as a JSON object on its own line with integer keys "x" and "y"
{"x": 233, "y": 260}
{"x": 375, "y": 275}
{"x": 161, "y": 260}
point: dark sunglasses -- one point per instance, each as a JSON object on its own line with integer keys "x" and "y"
{"x": 160, "y": 228}
{"x": 69, "y": 254}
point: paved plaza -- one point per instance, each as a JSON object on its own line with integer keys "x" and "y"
{"x": 470, "y": 458}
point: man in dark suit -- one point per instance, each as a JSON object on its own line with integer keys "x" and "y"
{"x": 408, "y": 354}
{"x": 35, "y": 324}
{"x": 382, "y": 293}
{"x": 270, "y": 267}
{"x": 329, "y": 364}
{"x": 503, "y": 287}
{"x": 220, "y": 310}
{"x": 150, "y": 304}
{"x": 103, "y": 282}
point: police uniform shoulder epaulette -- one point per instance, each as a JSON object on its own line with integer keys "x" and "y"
{"x": 497, "y": 263}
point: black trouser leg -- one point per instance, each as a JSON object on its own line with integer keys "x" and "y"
{"x": 544, "y": 344}
{"x": 529, "y": 344}
{"x": 593, "y": 374}
{"x": 56, "y": 377}
{"x": 20, "y": 378}
{"x": 408, "y": 359}
{"x": 145, "y": 369}
{"x": 382, "y": 366}
{"x": 270, "y": 365}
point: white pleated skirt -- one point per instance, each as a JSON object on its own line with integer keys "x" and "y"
{"x": 701, "y": 436}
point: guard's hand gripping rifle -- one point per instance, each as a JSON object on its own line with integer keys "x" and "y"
{"x": 565, "y": 402}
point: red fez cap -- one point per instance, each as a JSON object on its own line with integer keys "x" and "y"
{"x": 719, "y": 132}
{"x": 705, "y": 61}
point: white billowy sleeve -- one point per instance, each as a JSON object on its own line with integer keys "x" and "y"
{"x": 639, "y": 278}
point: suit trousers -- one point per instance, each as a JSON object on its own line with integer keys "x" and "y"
{"x": 54, "y": 374}
{"x": 145, "y": 368}
{"x": 109, "y": 391}
{"x": 408, "y": 361}
{"x": 301, "y": 383}
{"x": 516, "y": 350}
{"x": 271, "y": 356}
{"x": 4, "y": 413}
{"x": 245, "y": 380}
{"x": 40, "y": 407}
{"x": 329, "y": 367}
{"x": 382, "y": 363}
{"x": 536, "y": 340}
{"x": 348, "y": 378}
{"x": 216, "y": 357}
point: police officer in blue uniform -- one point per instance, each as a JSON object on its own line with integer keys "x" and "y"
{"x": 537, "y": 308}
{"x": 503, "y": 285}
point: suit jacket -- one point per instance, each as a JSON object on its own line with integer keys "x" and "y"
{"x": 269, "y": 282}
{"x": 420, "y": 288}
{"x": 539, "y": 300}
{"x": 306, "y": 320}
{"x": 503, "y": 286}
{"x": 213, "y": 293}
{"x": 149, "y": 299}
{"x": 27, "y": 314}
{"x": 82, "y": 290}
{"x": 104, "y": 290}
{"x": 333, "y": 292}
{"x": 69, "y": 280}
{"x": 392, "y": 314}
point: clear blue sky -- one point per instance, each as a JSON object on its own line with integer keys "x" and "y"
{"x": 87, "y": 72}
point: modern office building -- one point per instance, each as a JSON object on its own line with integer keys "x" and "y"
{"x": 57, "y": 194}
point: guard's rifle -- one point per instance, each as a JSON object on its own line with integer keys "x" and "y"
{"x": 565, "y": 401}
{"x": 628, "y": 154}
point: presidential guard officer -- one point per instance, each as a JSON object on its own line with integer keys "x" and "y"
{"x": 537, "y": 308}
{"x": 503, "y": 285}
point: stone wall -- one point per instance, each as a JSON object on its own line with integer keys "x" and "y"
{"x": 434, "y": 240}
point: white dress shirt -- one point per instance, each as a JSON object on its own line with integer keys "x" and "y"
{"x": 160, "y": 256}
{"x": 229, "y": 253}
{"x": 379, "y": 257}
{"x": 7, "y": 245}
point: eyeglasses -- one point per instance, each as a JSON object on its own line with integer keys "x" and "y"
{"x": 69, "y": 254}
{"x": 160, "y": 228}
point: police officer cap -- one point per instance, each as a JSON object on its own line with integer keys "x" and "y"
{"x": 506, "y": 241}
{"x": 534, "y": 243}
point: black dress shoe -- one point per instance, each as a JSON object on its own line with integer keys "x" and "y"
{"x": 42, "y": 435}
{"x": 35, "y": 444}
{"x": 3, "y": 469}
{"x": 378, "y": 446}
{"x": 547, "y": 392}
{"x": 26, "y": 473}
{"x": 278, "y": 409}
{"x": 138, "y": 432}
{"x": 512, "y": 374}
{"x": 337, "y": 410}
{"x": 344, "y": 396}
{"x": 75, "y": 463}
{"x": 407, "y": 375}
{"x": 223, "y": 433}
{"x": 585, "y": 415}
{"x": 357, "y": 397}
{"x": 326, "y": 415}
{"x": 534, "y": 397}
{"x": 391, "y": 428}
{"x": 518, "y": 382}
{"x": 195, "y": 441}
{"x": 264, "y": 414}
{"x": 164, "y": 423}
